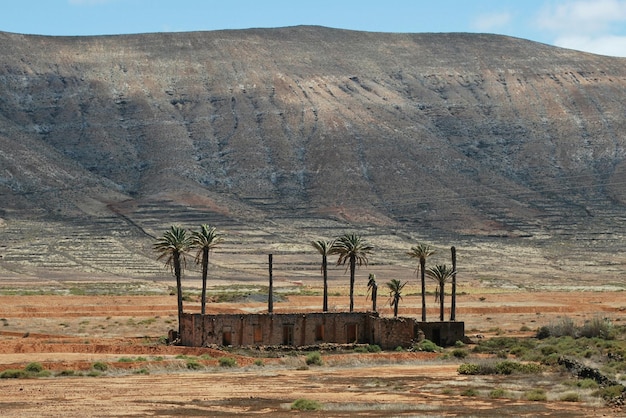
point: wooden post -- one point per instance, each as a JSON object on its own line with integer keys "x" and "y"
{"x": 270, "y": 296}
{"x": 453, "y": 303}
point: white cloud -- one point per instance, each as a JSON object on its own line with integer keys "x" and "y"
{"x": 491, "y": 21}
{"x": 604, "y": 45}
{"x": 585, "y": 16}
{"x": 586, "y": 25}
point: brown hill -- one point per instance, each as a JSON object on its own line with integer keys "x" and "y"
{"x": 511, "y": 150}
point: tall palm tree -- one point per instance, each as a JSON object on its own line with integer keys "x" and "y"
{"x": 324, "y": 248}
{"x": 421, "y": 252}
{"x": 440, "y": 274}
{"x": 395, "y": 294}
{"x": 172, "y": 247}
{"x": 204, "y": 241}
{"x": 372, "y": 289}
{"x": 353, "y": 249}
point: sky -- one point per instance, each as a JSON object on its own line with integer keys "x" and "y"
{"x": 597, "y": 26}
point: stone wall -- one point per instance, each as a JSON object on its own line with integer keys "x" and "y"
{"x": 312, "y": 329}
{"x": 444, "y": 333}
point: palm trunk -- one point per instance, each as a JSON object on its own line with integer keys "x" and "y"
{"x": 395, "y": 308}
{"x": 374, "y": 296}
{"x": 352, "y": 273}
{"x": 205, "y": 271}
{"x": 179, "y": 290}
{"x": 423, "y": 277}
{"x": 453, "y": 301}
{"x": 441, "y": 307}
{"x": 270, "y": 295}
{"x": 325, "y": 271}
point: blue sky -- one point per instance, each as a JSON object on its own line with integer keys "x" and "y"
{"x": 597, "y": 26}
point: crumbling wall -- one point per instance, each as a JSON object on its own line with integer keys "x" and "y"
{"x": 445, "y": 333}
{"x": 389, "y": 333}
{"x": 303, "y": 329}
{"x": 274, "y": 329}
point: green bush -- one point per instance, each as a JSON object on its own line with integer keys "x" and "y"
{"x": 427, "y": 346}
{"x": 306, "y": 405}
{"x": 499, "y": 394}
{"x": 194, "y": 365}
{"x": 469, "y": 392}
{"x": 100, "y": 366}
{"x": 587, "y": 384}
{"x": 13, "y": 374}
{"x": 469, "y": 369}
{"x": 610, "y": 392}
{"x": 227, "y": 362}
{"x": 314, "y": 358}
{"x": 373, "y": 348}
{"x": 536, "y": 395}
{"x": 459, "y": 353}
{"x": 259, "y": 362}
{"x": 33, "y": 367}
{"x": 66, "y": 372}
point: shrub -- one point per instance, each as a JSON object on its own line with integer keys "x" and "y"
{"x": 570, "y": 397}
{"x": 587, "y": 384}
{"x": 598, "y": 327}
{"x": 306, "y": 405}
{"x": 373, "y": 348}
{"x": 100, "y": 366}
{"x": 459, "y": 353}
{"x": 259, "y": 362}
{"x": 33, "y": 368}
{"x": 469, "y": 369}
{"x": 536, "y": 395}
{"x": 314, "y": 358}
{"x": 227, "y": 362}
{"x": 498, "y": 394}
{"x": 13, "y": 374}
{"x": 194, "y": 365}
{"x": 66, "y": 372}
{"x": 469, "y": 392}
{"x": 610, "y": 392}
{"x": 427, "y": 346}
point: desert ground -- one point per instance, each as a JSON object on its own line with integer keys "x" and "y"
{"x": 69, "y": 330}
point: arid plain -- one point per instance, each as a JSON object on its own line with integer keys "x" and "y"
{"x": 71, "y": 331}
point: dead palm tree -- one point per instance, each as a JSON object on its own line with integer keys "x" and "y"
{"x": 440, "y": 274}
{"x": 353, "y": 249}
{"x": 172, "y": 247}
{"x": 204, "y": 241}
{"x": 372, "y": 290}
{"x": 395, "y": 294}
{"x": 324, "y": 248}
{"x": 421, "y": 252}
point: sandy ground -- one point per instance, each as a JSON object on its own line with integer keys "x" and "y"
{"x": 147, "y": 378}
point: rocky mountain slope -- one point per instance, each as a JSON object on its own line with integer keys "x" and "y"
{"x": 512, "y": 150}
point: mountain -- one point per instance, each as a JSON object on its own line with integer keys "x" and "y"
{"x": 511, "y": 150}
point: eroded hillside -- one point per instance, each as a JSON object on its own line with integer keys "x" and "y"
{"x": 510, "y": 149}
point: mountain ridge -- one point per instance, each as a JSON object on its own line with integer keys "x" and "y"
{"x": 444, "y": 137}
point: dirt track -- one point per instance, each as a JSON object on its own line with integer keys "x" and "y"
{"x": 72, "y": 332}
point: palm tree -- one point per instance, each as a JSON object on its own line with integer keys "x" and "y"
{"x": 372, "y": 289}
{"x": 395, "y": 294}
{"x": 204, "y": 241}
{"x": 421, "y": 252}
{"x": 441, "y": 274}
{"x": 324, "y": 248}
{"x": 352, "y": 248}
{"x": 172, "y": 247}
